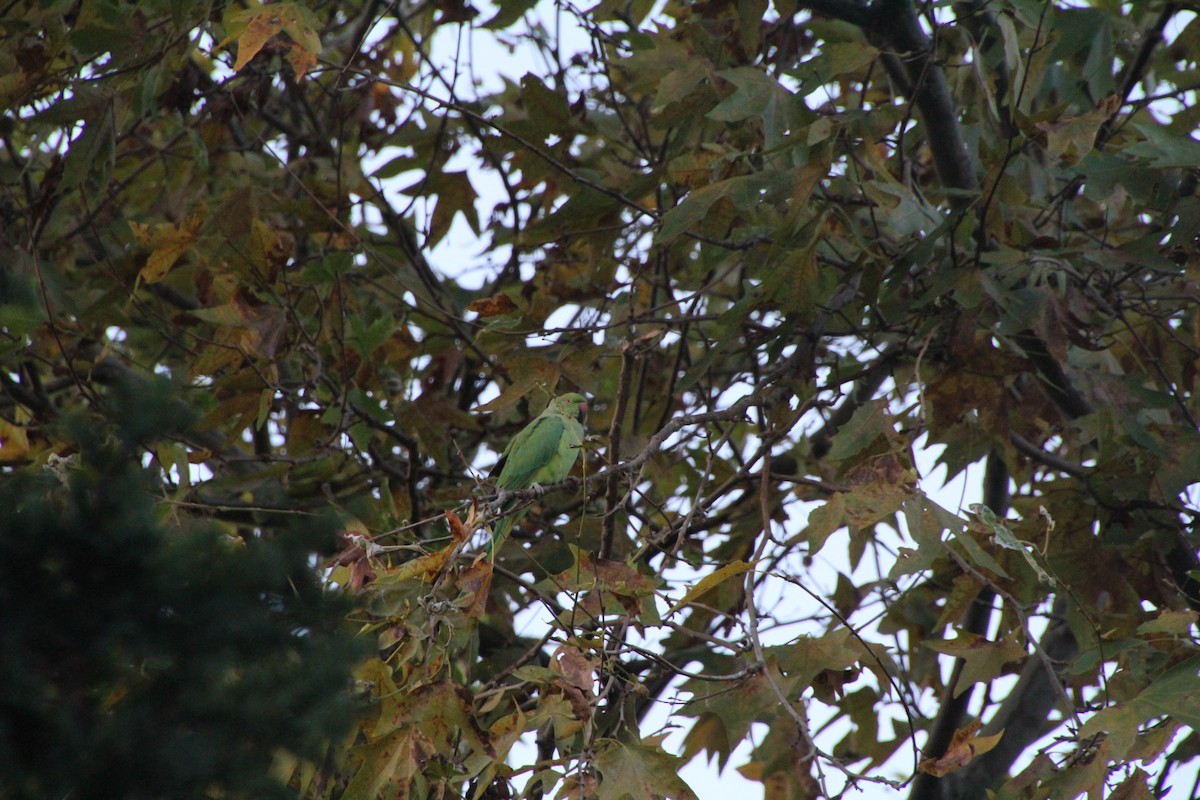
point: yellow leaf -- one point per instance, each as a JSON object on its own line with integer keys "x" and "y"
{"x": 424, "y": 568}
{"x": 1170, "y": 622}
{"x": 214, "y": 357}
{"x": 14, "y": 442}
{"x": 301, "y": 25}
{"x": 253, "y": 28}
{"x": 262, "y": 26}
{"x": 140, "y": 232}
{"x": 268, "y": 250}
{"x": 168, "y": 241}
{"x": 712, "y": 580}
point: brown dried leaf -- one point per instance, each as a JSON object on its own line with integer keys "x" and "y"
{"x": 575, "y": 666}
{"x": 354, "y": 555}
{"x": 475, "y": 581}
{"x": 494, "y": 306}
{"x": 964, "y": 747}
{"x": 301, "y": 59}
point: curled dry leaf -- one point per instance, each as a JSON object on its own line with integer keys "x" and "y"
{"x": 964, "y": 748}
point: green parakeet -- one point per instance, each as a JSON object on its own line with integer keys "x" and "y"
{"x": 542, "y": 453}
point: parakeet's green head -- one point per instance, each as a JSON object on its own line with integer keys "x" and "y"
{"x": 571, "y": 406}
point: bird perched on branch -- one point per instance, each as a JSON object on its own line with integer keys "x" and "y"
{"x": 542, "y": 453}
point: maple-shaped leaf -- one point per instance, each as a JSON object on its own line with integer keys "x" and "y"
{"x": 642, "y": 771}
{"x": 530, "y": 374}
{"x": 1135, "y": 787}
{"x": 168, "y": 242}
{"x": 1175, "y": 693}
{"x": 612, "y": 587}
{"x": 388, "y": 765}
{"x": 302, "y": 60}
{"x": 577, "y": 670}
{"x": 1072, "y": 138}
{"x": 254, "y": 27}
{"x": 474, "y": 581}
{"x": 258, "y": 26}
{"x": 441, "y": 711}
{"x": 710, "y": 735}
{"x": 735, "y": 709}
{"x": 257, "y": 328}
{"x": 983, "y": 660}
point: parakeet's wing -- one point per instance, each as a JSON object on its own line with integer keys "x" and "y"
{"x": 560, "y": 463}
{"x": 531, "y": 450}
{"x": 542, "y": 453}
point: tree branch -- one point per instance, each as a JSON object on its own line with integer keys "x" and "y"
{"x": 1023, "y": 715}
{"x": 1135, "y": 70}
{"x": 898, "y": 29}
{"x": 893, "y": 26}
{"x": 953, "y": 707}
{"x": 615, "y": 434}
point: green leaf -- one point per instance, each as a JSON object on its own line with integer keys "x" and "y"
{"x": 367, "y": 336}
{"x": 808, "y": 656}
{"x": 508, "y": 13}
{"x": 824, "y": 521}
{"x": 983, "y": 660}
{"x": 756, "y": 93}
{"x": 456, "y": 195}
{"x": 639, "y": 771}
{"x": 978, "y": 555}
{"x": 1086, "y": 31}
{"x": 760, "y": 96}
{"x": 583, "y": 211}
{"x": 708, "y": 734}
{"x": 1165, "y": 150}
{"x": 870, "y": 423}
{"x": 926, "y": 522}
{"x": 745, "y": 192}
{"x": 711, "y": 580}
{"x": 93, "y": 151}
{"x": 1176, "y": 693}
{"x": 547, "y": 109}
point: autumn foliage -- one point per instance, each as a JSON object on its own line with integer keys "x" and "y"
{"x": 808, "y": 261}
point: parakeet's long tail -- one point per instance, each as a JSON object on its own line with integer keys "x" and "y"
{"x": 500, "y": 530}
